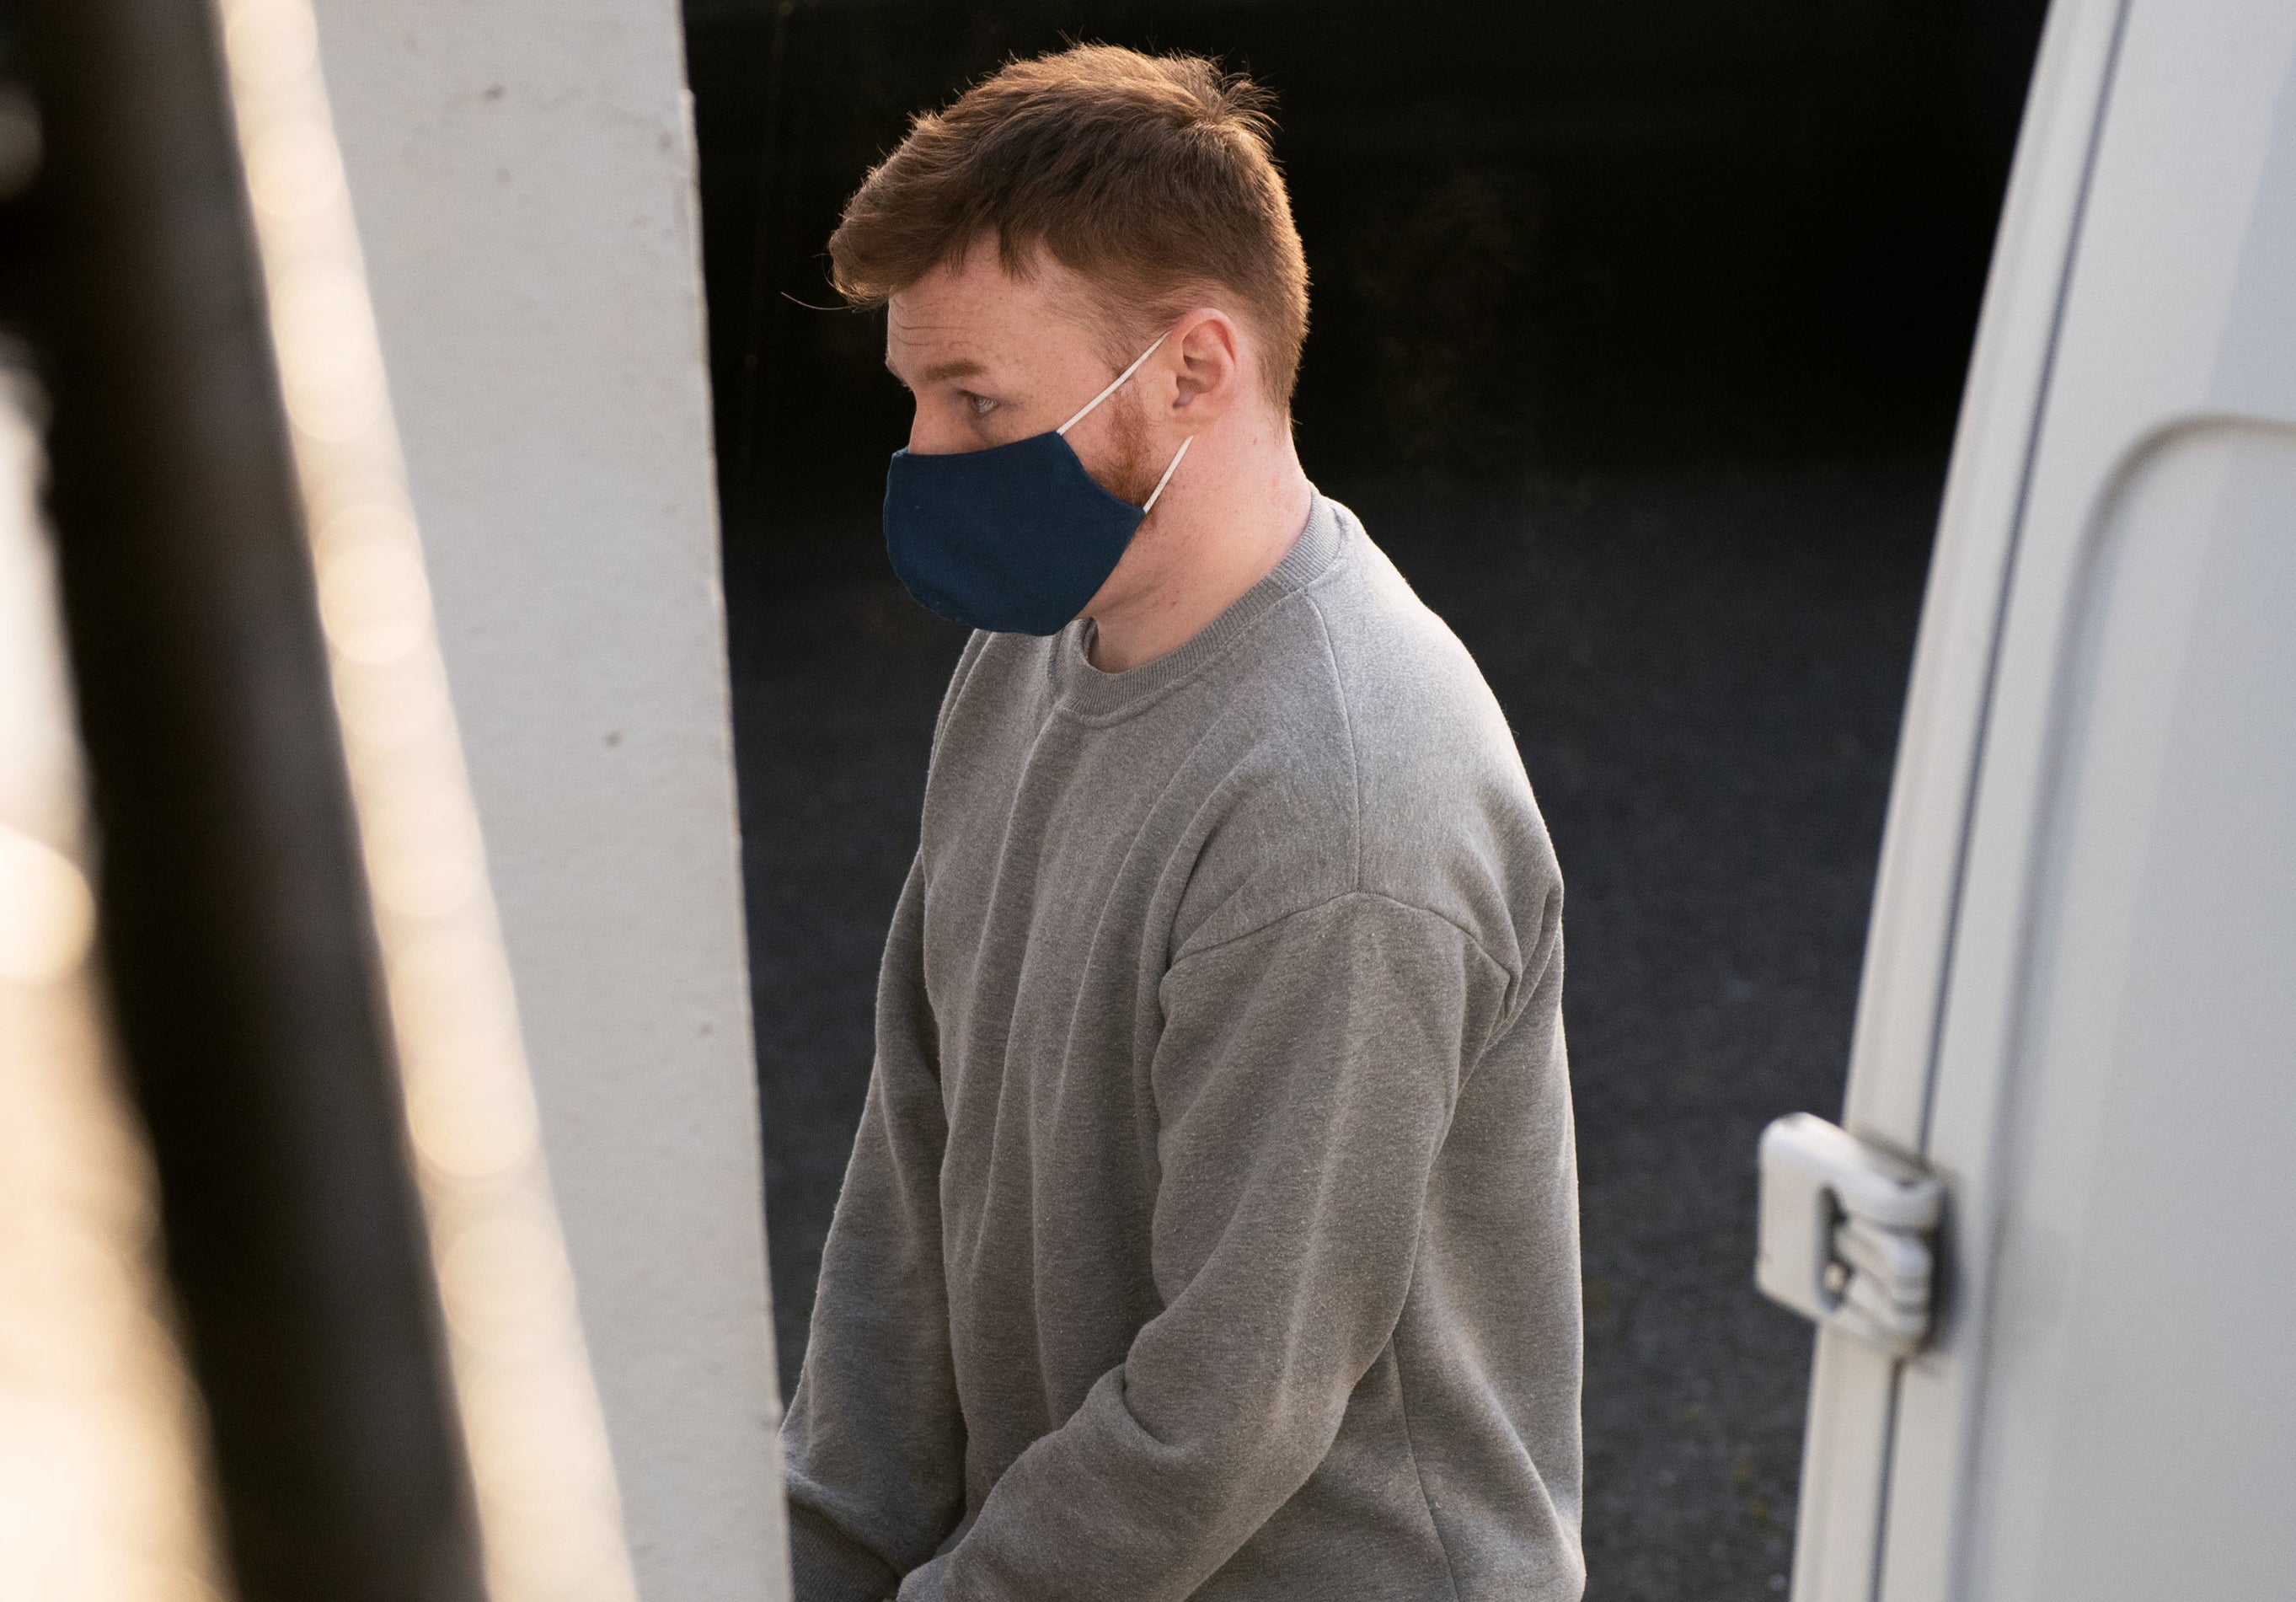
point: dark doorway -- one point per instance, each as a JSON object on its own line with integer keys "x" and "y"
{"x": 1638, "y": 335}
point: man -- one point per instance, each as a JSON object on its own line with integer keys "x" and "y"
{"x": 1211, "y": 1230}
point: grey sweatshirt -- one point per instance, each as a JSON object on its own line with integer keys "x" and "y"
{"x": 1212, "y": 1227}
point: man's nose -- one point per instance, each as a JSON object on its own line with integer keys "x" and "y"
{"x": 932, "y": 433}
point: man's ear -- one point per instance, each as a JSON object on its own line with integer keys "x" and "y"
{"x": 1207, "y": 359}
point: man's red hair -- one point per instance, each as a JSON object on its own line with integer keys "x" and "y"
{"x": 1150, "y": 176}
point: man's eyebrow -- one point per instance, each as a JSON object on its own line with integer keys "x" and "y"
{"x": 964, "y": 366}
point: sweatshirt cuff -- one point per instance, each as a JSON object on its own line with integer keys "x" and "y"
{"x": 825, "y": 1566}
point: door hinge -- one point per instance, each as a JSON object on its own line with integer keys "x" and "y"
{"x": 1847, "y": 1233}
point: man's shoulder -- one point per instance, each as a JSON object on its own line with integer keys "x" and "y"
{"x": 1385, "y": 766}
{"x": 1412, "y": 693}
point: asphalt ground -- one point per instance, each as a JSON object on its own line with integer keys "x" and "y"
{"x": 1705, "y": 675}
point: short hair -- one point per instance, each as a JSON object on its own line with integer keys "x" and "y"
{"x": 1150, "y": 176}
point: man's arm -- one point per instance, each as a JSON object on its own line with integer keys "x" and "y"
{"x": 874, "y": 1442}
{"x": 1305, "y": 1081}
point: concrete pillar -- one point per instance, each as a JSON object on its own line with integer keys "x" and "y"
{"x": 523, "y": 174}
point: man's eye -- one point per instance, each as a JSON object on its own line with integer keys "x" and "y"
{"x": 981, "y": 405}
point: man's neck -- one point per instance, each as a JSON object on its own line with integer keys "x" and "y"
{"x": 1238, "y": 515}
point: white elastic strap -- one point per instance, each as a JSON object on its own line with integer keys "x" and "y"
{"x": 1112, "y": 388}
{"x": 1169, "y": 472}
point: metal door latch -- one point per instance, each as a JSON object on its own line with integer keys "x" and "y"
{"x": 1847, "y": 1234}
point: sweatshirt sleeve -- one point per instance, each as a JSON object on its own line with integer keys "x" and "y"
{"x": 1304, "y": 1084}
{"x": 874, "y": 1443}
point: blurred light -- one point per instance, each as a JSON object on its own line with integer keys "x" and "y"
{"x": 549, "y": 1515}
{"x": 102, "y": 1449}
{"x": 372, "y": 595}
{"x": 293, "y": 171}
{"x": 47, "y": 914}
{"x": 319, "y": 312}
{"x": 270, "y": 44}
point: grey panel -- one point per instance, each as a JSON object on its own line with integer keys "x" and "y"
{"x": 2139, "y": 1434}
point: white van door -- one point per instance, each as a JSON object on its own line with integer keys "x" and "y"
{"x": 2078, "y": 1015}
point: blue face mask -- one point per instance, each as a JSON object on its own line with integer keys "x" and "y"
{"x": 1015, "y": 538}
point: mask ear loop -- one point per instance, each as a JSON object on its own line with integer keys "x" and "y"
{"x": 1149, "y": 505}
{"x": 1112, "y": 387}
{"x": 1169, "y": 472}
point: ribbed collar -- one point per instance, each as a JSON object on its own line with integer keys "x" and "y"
{"x": 1095, "y": 696}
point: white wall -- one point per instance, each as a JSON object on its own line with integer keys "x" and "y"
{"x": 522, "y": 171}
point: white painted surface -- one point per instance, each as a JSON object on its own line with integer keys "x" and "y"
{"x": 1853, "y": 1389}
{"x": 2143, "y": 1295}
{"x": 522, "y": 171}
{"x": 2179, "y": 323}
{"x": 2101, "y": 1075}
